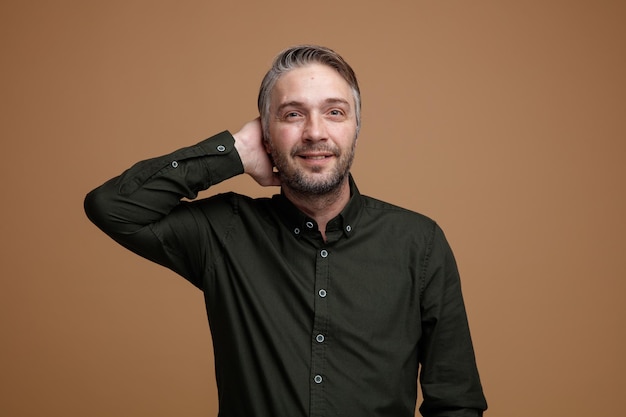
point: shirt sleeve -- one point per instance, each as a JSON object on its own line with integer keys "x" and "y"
{"x": 130, "y": 207}
{"x": 449, "y": 377}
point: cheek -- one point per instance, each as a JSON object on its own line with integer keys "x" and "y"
{"x": 345, "y": 134}
{"x": 283, "y": 134}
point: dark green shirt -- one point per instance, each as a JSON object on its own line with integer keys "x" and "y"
{"x": 300, "y": 326}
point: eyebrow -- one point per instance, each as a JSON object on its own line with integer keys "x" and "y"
{"x": 295, "y": 103}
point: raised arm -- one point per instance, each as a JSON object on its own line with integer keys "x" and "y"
{"x": 128, "y": 206}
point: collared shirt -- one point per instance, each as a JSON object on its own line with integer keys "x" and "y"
{"x": 303, "y": 326}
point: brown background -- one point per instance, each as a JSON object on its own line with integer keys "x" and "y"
{"x": 504, "y": 121}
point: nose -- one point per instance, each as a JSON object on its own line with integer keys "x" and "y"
{"x": 315, "y": 128}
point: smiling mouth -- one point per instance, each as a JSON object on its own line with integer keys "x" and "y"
{"x": 315, "y": 157}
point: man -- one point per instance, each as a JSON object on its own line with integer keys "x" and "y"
{"x": 321, "y": 301}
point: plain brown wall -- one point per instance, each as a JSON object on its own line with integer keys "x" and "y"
{"x": 504, "y": 121}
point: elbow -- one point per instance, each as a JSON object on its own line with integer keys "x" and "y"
{"x": 90, "y": 205}
{"x": 93, "y": 206}
{"x": 98, "y": 206}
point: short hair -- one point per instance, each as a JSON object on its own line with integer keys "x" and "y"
{"x": 300, "y": 56}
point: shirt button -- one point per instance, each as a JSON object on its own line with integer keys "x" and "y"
{"x": 174, "y": 164}
{"x": 221, "y": 148}
{"x": 317, "y": 379}
{"x": 324, "y": 253}
{"x": 319, "y": 338}
{"x": 348, "y": 228}
{"x": 322, "y": 293}
{"x": 309, "y": 225}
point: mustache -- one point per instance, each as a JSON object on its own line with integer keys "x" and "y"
{"x": 315, "y": 148}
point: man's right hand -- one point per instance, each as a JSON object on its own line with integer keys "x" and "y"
{"x": 255, "y": 159}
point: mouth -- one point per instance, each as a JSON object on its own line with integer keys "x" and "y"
{"x": 315, "y": 157}
{"x": 315, "y": 154}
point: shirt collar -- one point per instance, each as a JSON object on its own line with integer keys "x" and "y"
{"x": 300, "y": 224}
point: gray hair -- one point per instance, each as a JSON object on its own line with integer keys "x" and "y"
{"x": 299, "y": 56}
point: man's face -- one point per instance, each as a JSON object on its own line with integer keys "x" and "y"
{"x": 312, "y": 129}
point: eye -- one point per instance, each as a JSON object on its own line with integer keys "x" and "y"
{"x": 337, "y": 113}
{"x": 291, "y": 115}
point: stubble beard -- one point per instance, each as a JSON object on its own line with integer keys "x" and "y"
{"x": 305, "y": 183}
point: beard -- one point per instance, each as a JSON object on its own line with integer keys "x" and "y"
{"x": 312, "y": 182}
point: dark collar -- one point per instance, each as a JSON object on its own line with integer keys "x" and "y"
{"x": 300, "y": 224}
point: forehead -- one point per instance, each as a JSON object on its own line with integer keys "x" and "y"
{"x": 310, "y": 83}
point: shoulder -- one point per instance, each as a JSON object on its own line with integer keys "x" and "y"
{"x": 401, "y": 223}
{"x": 378, "y": 208}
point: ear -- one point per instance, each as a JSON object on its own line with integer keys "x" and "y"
{"x": 264, "y": 140}
{"x": 266, "y": 145}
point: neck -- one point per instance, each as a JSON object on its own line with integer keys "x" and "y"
{"x": 323, "y": 207}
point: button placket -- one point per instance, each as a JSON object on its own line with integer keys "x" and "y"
{"x": 319, "y": 337}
